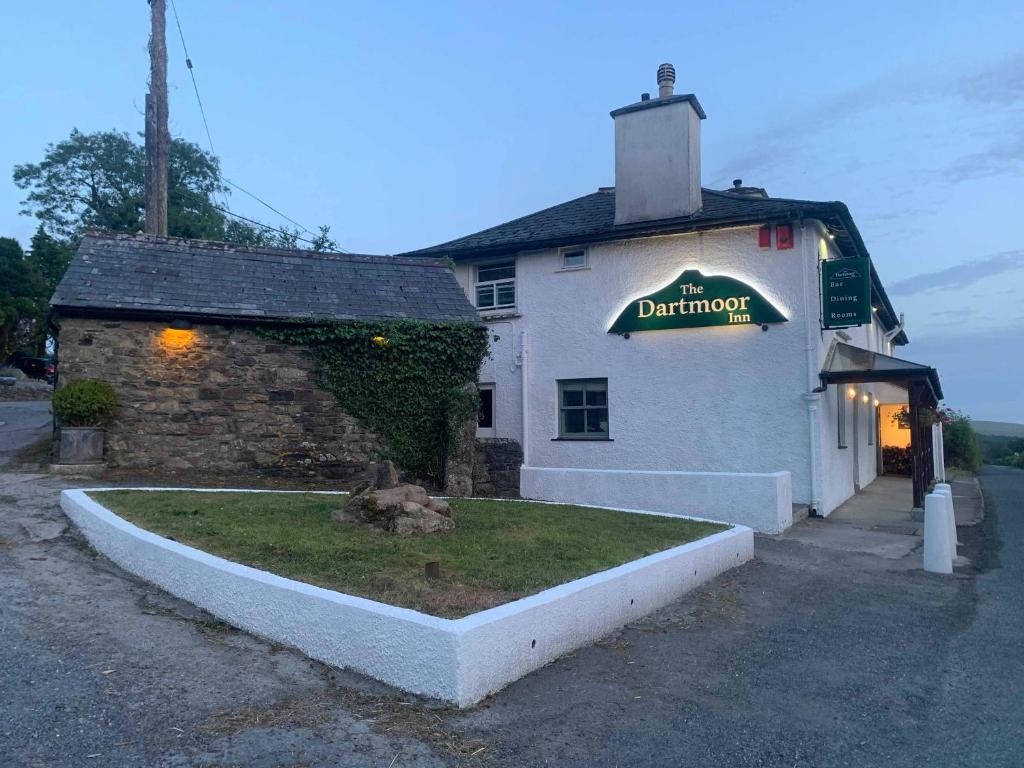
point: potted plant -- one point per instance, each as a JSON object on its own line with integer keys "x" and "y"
{"x": 81, "y": 408}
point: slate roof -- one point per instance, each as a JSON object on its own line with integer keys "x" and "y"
{"x": 591, "y": 219}
{"x": 164, "y": 276}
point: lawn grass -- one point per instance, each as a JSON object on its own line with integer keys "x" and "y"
{"x": 500, "y": 550}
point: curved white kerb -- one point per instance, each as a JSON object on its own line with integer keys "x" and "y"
{"x": 459, "y": 660}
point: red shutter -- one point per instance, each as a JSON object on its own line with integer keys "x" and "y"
{"x": 764, "y": 237}
{"x": 784, "y": 236}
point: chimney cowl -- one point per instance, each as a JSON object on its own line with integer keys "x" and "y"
{"x": 666, "y": 81}
{"x": 738, "y": 190}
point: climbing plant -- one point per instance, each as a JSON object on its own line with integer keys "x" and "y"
{"x": 404, "y": 379}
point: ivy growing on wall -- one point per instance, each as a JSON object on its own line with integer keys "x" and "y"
{"x": 404, "y": 379}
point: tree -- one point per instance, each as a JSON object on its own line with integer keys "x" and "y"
{"x": 49, "y": 258}
{"x": 96, "y": 180}
{"x": 960, "y": 441}
{"x": 21, "y": 298}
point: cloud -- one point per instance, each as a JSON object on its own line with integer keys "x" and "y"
{"x": 956, "y": 313}
{"x": 960, "y": 275}
{"x": 977, "y": 374}
{"x": 999, "y": 86}
{"x": 1005, "y": 156}
{"x": 1002, "y": 84}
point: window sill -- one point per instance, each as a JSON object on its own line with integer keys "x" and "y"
{"x": 582, "y": 440}
{"x": 573, "y": 269}
{"x": 498, "y": 314}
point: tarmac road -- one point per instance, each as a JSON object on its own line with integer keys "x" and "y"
{"x": 21, "y": 424}
{"x": 804, "y": 657}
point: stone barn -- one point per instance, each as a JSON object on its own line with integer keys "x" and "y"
{"x": 175, "y": 326}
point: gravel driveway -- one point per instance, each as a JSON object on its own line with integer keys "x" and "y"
{"x": 803, "y": 657}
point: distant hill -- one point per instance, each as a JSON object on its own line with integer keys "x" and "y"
{"x": 998, "y": 428}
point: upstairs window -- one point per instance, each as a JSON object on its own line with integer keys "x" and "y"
{"x": 496, "y": 285}
{"x": 574, "y": 258}
{"x": 583, "y": 409}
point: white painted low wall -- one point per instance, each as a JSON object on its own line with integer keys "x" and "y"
{"x": 763, "y": 501}
{"x": 460, "y": 660}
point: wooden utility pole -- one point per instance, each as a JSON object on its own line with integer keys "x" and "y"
{"x": 157, "y": 135}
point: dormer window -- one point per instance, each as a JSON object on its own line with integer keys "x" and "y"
{"x": 496, "y": 285}
{"x": 574, "y": 258}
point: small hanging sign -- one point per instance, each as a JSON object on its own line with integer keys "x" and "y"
{"x": 845, "y": 292}
{"x": 694, "y": 300}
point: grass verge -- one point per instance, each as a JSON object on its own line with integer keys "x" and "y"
{"x": 499, "y": 552}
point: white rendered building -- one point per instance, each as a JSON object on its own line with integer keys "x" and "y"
{"x": 661, "y": 346}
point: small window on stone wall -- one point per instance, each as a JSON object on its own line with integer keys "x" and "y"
{"x": 485, "y": 418}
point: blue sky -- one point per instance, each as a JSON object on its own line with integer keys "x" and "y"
{"x": 406, "y": 124}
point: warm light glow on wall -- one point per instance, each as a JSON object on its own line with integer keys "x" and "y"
{"x": 175, "y": 340}
{"x": 865, "y": 397}
{"x": 851, "y": 393}
{"x": 876, "y": 402}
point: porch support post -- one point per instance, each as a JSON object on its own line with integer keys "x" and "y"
{"x": 916, "y": 458}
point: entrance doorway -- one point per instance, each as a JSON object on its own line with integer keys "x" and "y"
{"x": 894, "y": 439}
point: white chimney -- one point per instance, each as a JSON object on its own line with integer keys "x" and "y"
{"x": 657, "y": 155}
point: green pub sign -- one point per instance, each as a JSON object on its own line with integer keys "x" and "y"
{"x": 845, "y": 292}
{"x": 694, "y": 300}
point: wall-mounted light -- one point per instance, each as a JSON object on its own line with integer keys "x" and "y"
{"x": 178, "y": 335}
{"x": 851, "y": 393}
{"x": 877, "y": 403}
{"x": 865, "y": 398}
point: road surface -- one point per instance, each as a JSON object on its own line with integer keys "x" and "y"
{"x": 21, "y": 424}
{"x": 803, "y": 657}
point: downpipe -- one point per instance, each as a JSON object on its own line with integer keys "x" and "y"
{"x": 813, "y": 396}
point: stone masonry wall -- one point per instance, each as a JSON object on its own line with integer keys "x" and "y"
{"x": 496, "y": 468}
{"x": 214, "y": 399}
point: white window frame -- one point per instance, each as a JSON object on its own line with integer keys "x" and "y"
{"x": 563, "y": 252}
{"x": 494, "y": 285}
{"x": 841, "y": 416}
{"x": 492, "y": 430}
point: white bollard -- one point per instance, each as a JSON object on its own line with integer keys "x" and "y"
{"x": 947, "y": 491}
{"x": 938, "y": 548}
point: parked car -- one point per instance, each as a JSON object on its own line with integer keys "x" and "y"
{"x": 36, "y": 367}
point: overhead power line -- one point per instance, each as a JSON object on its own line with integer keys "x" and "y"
{"x": 209, "y": 139}
{"x": 227, "y": 212}
{"x": 284, "y": 232}
{"x": 268, "y": 205}
{"x": 192, "y": 74}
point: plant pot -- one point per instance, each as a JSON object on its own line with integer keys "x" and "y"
{"x": 81, "y": 445}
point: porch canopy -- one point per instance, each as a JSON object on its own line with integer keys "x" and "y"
{"x": 847, "y": 364}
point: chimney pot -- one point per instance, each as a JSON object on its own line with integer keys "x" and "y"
{"x": 666, "y": 80}
{"x": 737, "y": 183}
{"x": 645, "y": 97}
